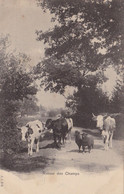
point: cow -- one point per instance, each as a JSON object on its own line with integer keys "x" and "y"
{"x": 107, "y": 126}
{"x": 70, "y": 125}
{"x": 32, "y": 132}
{"x": 60, "y": 127}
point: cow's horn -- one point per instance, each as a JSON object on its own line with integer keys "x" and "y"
{"x": 93, "y": 115}
{"x": 19, "y": 128}
{"x": 105, "y": 115}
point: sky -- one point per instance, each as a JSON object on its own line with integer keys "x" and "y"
{"x": 20, "y": 19}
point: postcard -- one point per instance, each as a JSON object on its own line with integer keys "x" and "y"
{"x": 61, "y": 97}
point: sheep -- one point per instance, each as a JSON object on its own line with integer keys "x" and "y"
{"x": 87, "y": 141}
{"x": 84, "y": 141}
{"x": 78, "y": 139}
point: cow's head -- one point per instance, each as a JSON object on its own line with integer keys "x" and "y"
{"x": 99, "y": 121}
{"x": 29, "y": 131}
{"x": 44, "y": 126}
{"x": 23, "y": 131}
{"x": 48, "y": 124}
{"x": 43, "y": 130}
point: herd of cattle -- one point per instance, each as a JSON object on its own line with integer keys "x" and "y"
{"x": 61, "y": 127}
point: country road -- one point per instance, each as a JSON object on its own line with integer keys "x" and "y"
{"x": 98, "y": 160}
{"x": 53, "y": 170}
{"x": 50, "y": 159}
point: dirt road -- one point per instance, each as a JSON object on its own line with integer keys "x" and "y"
{"x": 98, "y": 160}
{"x": 67, "y": 170}
{"x": 49, "y": 158}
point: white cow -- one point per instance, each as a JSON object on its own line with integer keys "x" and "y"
{"x": 107, "y": 127}
{"x": 70, "y": 126}
{"x": 32, "y": 133}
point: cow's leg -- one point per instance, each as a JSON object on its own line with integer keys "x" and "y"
{"x": 37, "y": 146}
{"x": 83, "y": 148}
{"x": 89, "y": 148}
{"x": 54, "y": 137}
{"x": 106, "y": 142}
{"x": 79, "y": 148}
{"x": 29, "y": 145}
{"x": 110, "y": 140}
{"x": 58, "y": 141}
{"x": 69, "y": 136}
{"x": 31, "y": 148}
{"x": 63, "y": 138}
{"x": 106, "y": 145}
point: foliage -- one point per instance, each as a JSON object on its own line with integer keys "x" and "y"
{"x": 82, "y": 30}
{"x": 86, "y": 39}
{"x": 11, "y": 139}
{"x": 89, "y": 99}
{"x": 117, "y": 101}
{"x": 79, "y": 20}
{"x": 15, "y": 84}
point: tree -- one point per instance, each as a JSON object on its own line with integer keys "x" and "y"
{"x": 73, "y": 45}
{"x": 87, "y": 38}
{"x": 89, "y": 99}
{"x": 15, "y": 84}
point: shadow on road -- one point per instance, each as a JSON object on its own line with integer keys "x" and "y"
{"x": 75, "y": 151}
{"x": 50, "y": 145}
{"x": 26, "y": 164}
{"x": 92, "y": 132}
{"x": 98, "y": 147}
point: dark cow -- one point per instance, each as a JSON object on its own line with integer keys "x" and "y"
{"x": 60, "y": 129}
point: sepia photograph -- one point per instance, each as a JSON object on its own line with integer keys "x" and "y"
{"x": 61, "y": 96}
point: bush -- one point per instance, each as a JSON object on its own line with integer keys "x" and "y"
{"x": 119, "y": 132}
{"x": 11, "y": 138}
{"x": 83, "y": 120}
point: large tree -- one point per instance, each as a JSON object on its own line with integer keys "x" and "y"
{"x": 83, "y": 29}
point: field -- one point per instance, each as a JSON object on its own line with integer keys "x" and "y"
{"x": 49, "y": 158}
